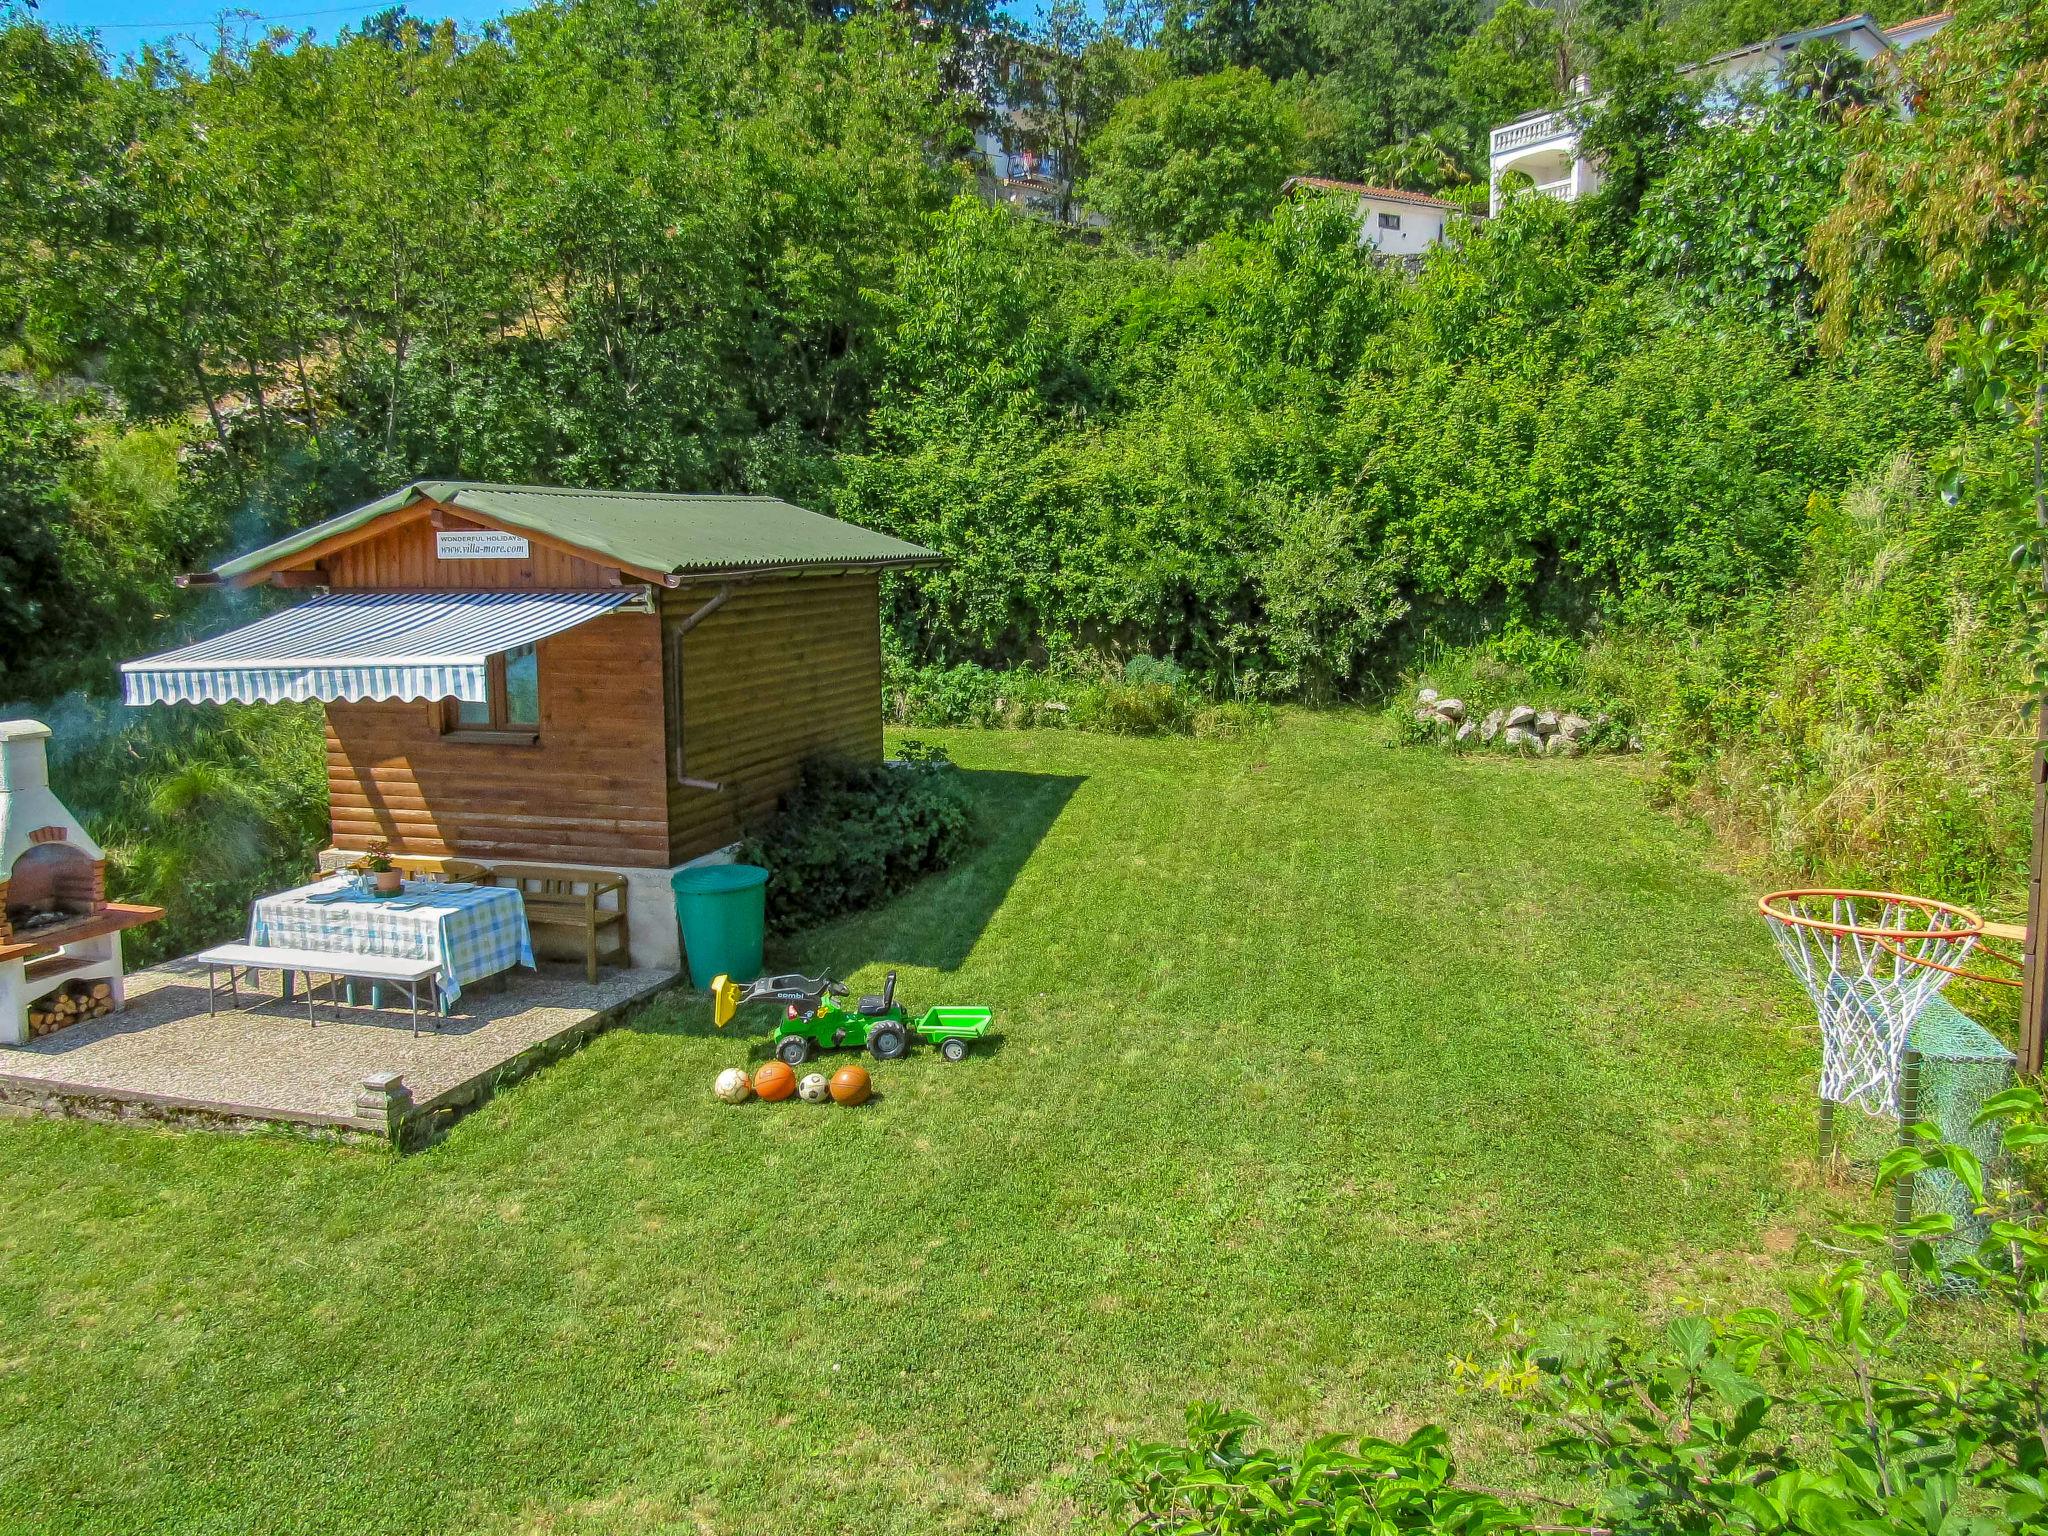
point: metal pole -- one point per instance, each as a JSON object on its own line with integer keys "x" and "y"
{"x": 2034, "y": 993}
{"x": 1902, "y": 1192}
{"x": 2034, "y": 985}
{"x": 1825, "y": 1152}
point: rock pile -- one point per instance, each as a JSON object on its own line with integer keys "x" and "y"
{"x": 1523, "y": 728}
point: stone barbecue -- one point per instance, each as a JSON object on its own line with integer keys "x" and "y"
{"x": 60, "y": 938}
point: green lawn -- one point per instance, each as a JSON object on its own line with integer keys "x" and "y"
{"x": 1311, "y": 1050}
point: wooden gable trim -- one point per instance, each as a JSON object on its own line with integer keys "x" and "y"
{"x": 305, "y": 559}
{"x": 291, "y": 570}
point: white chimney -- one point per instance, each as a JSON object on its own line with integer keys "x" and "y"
{"x": 30, "y": 812}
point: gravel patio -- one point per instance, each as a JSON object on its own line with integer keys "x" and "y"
{"x": 362, "y": 1074}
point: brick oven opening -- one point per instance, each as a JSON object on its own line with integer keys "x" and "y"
{"x": 50, "y": 886}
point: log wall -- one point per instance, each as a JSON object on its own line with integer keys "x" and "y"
{"x": 403, "y": 560}
{"x": 786, "y": 668}
{"x": 592, "y": 790}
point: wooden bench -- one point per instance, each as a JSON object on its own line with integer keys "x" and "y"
{"x": 573, "y": 899}
{"x": 424, "y": 866}
{"x": 379, "y": 969}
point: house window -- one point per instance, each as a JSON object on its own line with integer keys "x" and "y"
{"x": 511, "y": 712}
{"x": 1390, "y": 221}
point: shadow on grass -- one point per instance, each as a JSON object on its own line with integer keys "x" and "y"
{"x": 932, "y": 926}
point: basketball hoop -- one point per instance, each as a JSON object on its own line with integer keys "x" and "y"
{"x": 1871, "y": 961}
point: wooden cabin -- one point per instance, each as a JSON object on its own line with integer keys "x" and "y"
{"x": 604, "y": 679}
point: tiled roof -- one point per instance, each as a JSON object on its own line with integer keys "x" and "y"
{"x": 1389, "y": 194}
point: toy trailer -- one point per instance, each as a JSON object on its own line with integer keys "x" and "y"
{"x": 952, "y": 1028}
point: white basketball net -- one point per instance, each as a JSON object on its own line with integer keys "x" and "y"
{"x": 1867, "y": 989}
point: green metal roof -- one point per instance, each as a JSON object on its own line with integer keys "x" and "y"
{"x": 652, "y": 530}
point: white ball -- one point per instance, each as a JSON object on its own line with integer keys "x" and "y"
{"x": 815, "y": 1089}
{"x": 732, "y": 1086}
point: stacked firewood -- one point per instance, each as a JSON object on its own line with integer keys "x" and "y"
{"x": 71, "y": 1002}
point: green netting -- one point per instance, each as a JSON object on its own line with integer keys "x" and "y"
{"x": 1960, "y": 1065}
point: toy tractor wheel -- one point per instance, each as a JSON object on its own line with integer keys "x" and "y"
{"x": 888, "y": 1042}
{"x": 953, "y": 1050}
{"x": 794, "y": 1049}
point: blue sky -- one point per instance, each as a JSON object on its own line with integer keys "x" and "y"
{"x": 126, "y": 24}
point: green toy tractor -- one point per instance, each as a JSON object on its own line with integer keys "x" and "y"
{"x": 813, "y": 1020}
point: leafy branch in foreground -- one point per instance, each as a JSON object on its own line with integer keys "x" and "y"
{"x": 1802, "y": 1421}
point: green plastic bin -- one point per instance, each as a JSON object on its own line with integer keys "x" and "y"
{"x": 722, "y": 909}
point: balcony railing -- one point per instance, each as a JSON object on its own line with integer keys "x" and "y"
{"x": 1561, "y": 190}
{"x": 1552, "y": 125}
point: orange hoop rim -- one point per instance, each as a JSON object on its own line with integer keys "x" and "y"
{"x": 1890, "y": 947}
{"x": 1970, "y": 927}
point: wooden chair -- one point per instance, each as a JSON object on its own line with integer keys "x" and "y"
{"x": 573, "y": 899}
{"x": 426, "y": 866}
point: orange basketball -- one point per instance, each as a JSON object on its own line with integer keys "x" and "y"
{"x": 775, "y": 1081}
{"x": 850, "y": 1085}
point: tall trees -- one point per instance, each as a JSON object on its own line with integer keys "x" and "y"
{"x": 37, "y": 448}
{"x": 1280, "y": 37}
{"x": 1063, "y": 77}
{"x": 1517, "y": 61}
{"x": 1729, "y": 223}
{"x": 1388, "y": 76}
{"x": 1636, "y": 127}
{"x": 1194, "y": 156}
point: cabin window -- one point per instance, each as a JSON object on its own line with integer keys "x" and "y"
{"x": 511, "y": 713}
{"x": 1390, "y": 221}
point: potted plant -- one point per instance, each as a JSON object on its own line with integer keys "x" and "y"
{"x": 377, "y": 864}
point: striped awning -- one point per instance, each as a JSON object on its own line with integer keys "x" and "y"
{"x": 364, "y": 645}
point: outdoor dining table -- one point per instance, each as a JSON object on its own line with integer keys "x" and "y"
{"x": 474, "y": 931}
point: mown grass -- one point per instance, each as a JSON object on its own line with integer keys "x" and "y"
{"x": 1311, "y": 1050}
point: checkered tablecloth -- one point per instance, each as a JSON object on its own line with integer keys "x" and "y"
{"x": 473, "y": 933}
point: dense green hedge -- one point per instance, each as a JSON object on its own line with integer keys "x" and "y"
{"x": 1275, "y": 463}
{"x": 852, "y": 834}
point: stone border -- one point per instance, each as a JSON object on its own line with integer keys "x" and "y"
{"x": 26, "y": 1096}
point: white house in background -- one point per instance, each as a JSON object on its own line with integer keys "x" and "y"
{"x": 1544, "y": 146}
{"x": 1390, "y": 222}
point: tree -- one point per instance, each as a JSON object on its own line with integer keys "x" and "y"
{"x": 1429, "y": 162}
{"x": 1825, "y": 73}
{"x": 1388, "y": 75}
{"x": 1729, "y": 222}
{"x": 1513, "y": 64}
{"x": 1942, "y": 209}
{"x": 1277, "y": 36}
{"x": 1064, "y": 77}
{"x": 1634, "y": 130}
{"x": 1191, "y": 157}
{"x": 38, "y": 446}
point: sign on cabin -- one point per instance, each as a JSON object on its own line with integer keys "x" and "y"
{"x": 480, "y": 545}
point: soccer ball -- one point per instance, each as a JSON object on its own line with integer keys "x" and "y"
{"x": 732, "y": 1086}
{"x": 814, "y": 1089}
